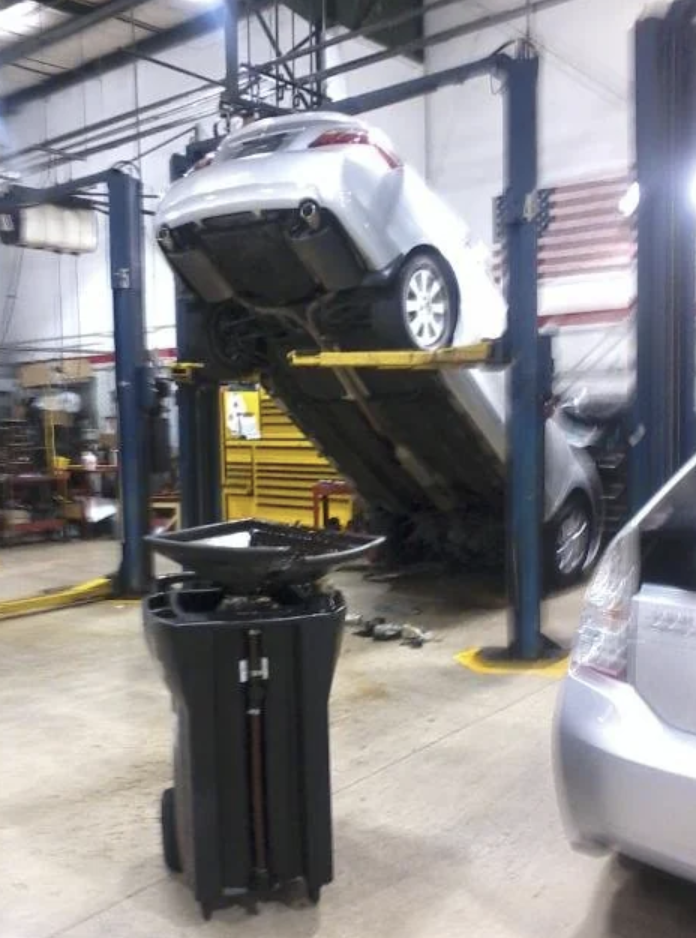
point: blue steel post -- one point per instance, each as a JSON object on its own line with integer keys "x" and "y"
{"x": 652, "y": 434}
{"x": 126, "y": 255}
{"x": 198, "y": 403}
{"x": 189, "y": 482}
{"x": 199, "y": 424}
{"x": 525, "y": 435}
{"x": 231, "y": 91}
{"x": 665, "y": 128}
{"x": 208, "y": 425}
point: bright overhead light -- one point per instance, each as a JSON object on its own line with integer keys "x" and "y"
{"x": 18, "y": 17}
{"x": 628, "y": 203}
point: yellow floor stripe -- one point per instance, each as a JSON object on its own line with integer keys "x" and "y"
{"x": 471, "y": 658}
{"x": 91, "y": 591}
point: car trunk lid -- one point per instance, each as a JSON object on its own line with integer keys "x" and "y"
{"x": 662, "y": 663}
{"x": 292, "y": 132}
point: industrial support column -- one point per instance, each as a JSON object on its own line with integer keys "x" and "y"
{"x": 132, "y": 372}
{"x": 198, "y": 404}
{"x": 525, "y": 429}
{"x": 231, "y": 92}
{"x": 665, "y": 126}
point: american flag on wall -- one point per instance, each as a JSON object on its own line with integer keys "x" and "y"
{"x": 582, "y": 230}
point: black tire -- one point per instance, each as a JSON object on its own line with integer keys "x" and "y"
{"x": 170, "y": 845}
{"x": 399, "y": 320}
{"x": 567, "y": 543}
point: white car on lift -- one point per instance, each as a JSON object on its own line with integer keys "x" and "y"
{"x": 311, "y": 223}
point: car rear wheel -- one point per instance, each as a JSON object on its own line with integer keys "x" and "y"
{"x": 423, "y": 311}
{"x": 568, "y": 542}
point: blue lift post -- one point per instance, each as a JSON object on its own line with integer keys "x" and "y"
{"x": 665, "y": 128}
{"x": 132, "y": 378}
{"x": 527, "y": 367}
{"x": 198, "y": 401}
{"x": 231, "y": 91}
{"x": 132, "y": 367}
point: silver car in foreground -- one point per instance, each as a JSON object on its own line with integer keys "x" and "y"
{"x": 308, "y": 232}
{"x": 625, "y": 731}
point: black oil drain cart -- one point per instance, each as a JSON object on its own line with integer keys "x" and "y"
{"x": 248, "y": 639}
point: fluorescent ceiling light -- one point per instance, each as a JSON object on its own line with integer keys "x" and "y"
{"x": 20, "y": 17}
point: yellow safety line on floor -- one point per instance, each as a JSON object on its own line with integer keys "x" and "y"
{"x": 91, "y": 591}
{"x": 471, "y": 658}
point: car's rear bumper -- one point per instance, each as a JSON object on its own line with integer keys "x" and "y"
{"x": 348, "y": 187}
{"x": 624, "y": 779}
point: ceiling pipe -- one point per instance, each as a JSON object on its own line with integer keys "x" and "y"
{"x": 214, "y": 19}
{"x": 375, "y": 27}
{"x": 497, "y": 18}
{"x": 114, "y": 122}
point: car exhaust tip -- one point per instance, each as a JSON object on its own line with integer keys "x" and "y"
{"x": 310, "y": 213}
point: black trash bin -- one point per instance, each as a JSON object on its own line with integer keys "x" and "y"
{"x": 249, "y": 664}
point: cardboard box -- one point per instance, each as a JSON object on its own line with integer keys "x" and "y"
{"x": 58, "y": 418}
{"x": 55, "y": 373}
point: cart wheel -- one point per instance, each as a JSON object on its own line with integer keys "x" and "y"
{"x": 314, "y": 894}
{"x": 170, "y": 845}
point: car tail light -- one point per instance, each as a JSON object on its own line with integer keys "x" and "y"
{"x": 601, "y": 643}
{"x": 202, "y": 163}
{"x": 346, "y": 136}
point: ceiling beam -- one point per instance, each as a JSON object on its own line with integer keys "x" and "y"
{"x": 151, "y": 45}
{"x": 72, "y": 7}
{"x": 33, "y": 44}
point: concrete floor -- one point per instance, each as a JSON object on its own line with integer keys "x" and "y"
{"x": 444, "y": 815}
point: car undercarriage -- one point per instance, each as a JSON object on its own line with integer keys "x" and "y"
{"x": 421, "y": 471}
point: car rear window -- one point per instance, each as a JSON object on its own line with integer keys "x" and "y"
{"x": 253, "y": 146}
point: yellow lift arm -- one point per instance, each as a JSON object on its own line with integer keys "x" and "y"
{"x": 482, "y": 353}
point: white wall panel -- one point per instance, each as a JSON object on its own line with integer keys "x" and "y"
{"x": 595, "y": 358}
{"x": 585, "y": 119}
{"x": 584, "y": 107}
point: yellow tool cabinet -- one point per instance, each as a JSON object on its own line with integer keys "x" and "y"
{"x": 269, "y": 468}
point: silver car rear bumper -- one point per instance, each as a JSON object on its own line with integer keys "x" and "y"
{"x": 624, "y": 779}
{"x": 283, "y": 181}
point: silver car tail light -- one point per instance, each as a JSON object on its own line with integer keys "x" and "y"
{"x": 601, "y": 642}
{"x": 346, "y": 136}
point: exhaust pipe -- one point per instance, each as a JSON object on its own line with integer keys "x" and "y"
{"x": 323, "y": 250}
{"x": 310, "y": 213}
